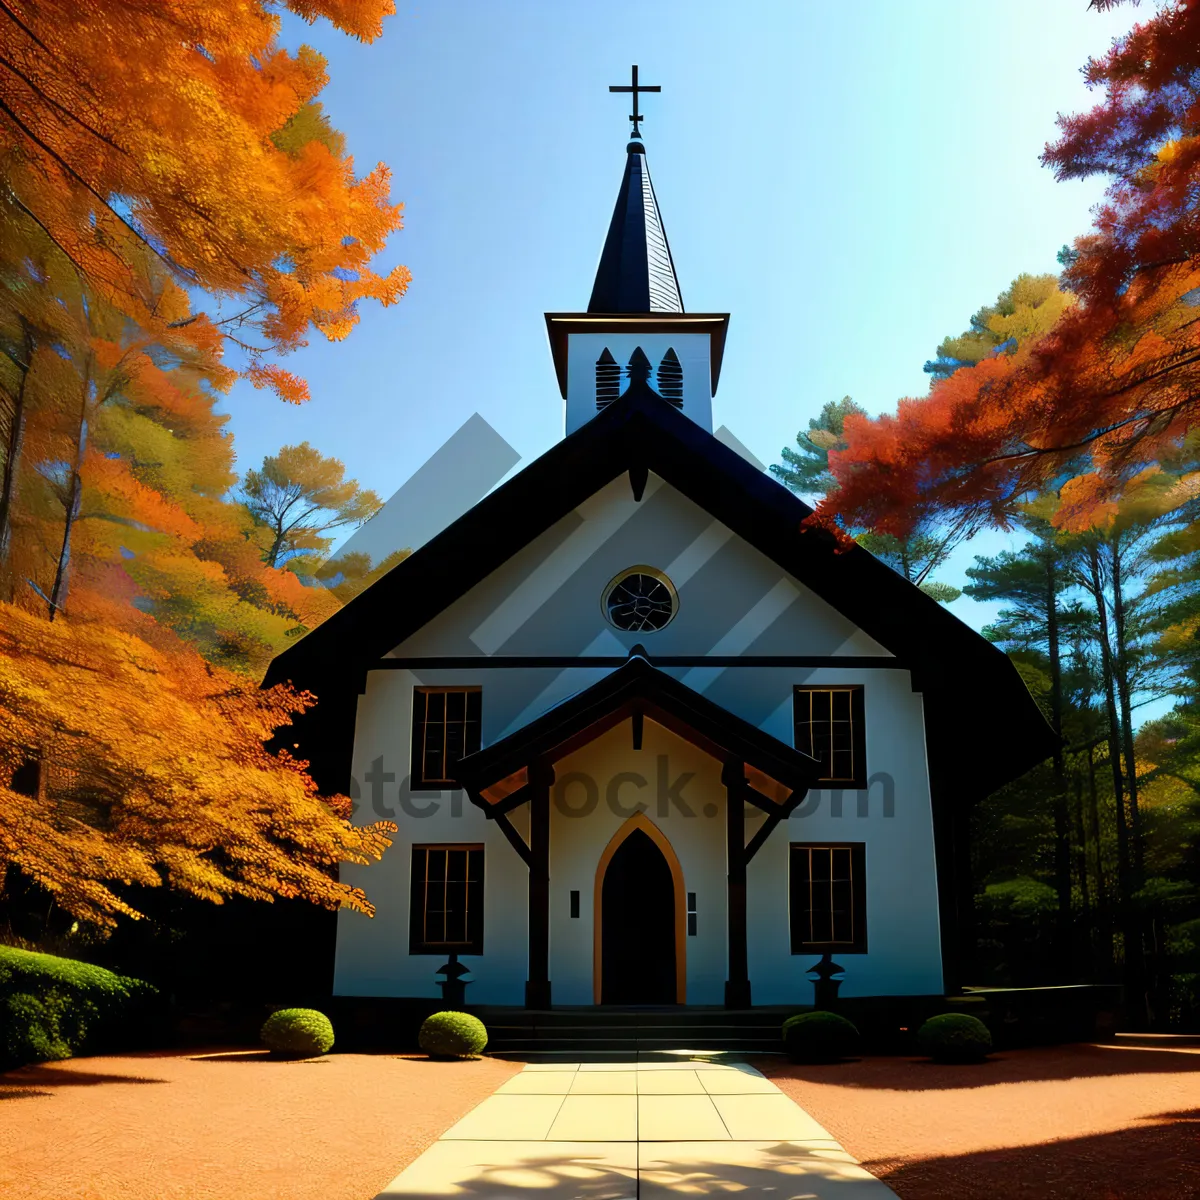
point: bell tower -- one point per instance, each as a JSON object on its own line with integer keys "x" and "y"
{"x": 635, "y": 333}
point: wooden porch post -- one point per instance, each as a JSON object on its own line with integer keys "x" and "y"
{"x": 737, "y": 986}
{"x": 537, "y": 986}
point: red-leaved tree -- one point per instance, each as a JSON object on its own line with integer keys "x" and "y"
{"x": 1114, "y": 389}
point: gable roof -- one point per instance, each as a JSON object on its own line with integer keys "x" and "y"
{"x": 778, "y": 774}
{"x": 983, "y": 727}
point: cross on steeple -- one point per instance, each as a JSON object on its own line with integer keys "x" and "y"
{"x": 636, "y": 89}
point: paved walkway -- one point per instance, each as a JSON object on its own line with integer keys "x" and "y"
{"x": 637, "y": 1131}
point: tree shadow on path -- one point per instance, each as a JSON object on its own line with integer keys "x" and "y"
{"x": 1158, "y": 1161}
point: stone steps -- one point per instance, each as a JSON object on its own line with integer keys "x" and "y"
{"x": 609, "y": 1030}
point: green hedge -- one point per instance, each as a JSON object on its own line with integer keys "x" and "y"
{"x": 820, "y": 1036}
{"x": 297, "y": 1033}
{"x": 55, "y": 1007}
{"x": 452, "y": 1035}
{"x": 955, "y": 1038}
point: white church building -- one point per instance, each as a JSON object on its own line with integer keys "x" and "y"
{"x": 646, "y": 740}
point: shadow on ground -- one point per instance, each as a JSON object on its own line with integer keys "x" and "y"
{"x": 1148, "y": 1161}
{"x": 36, "y": 1079}
{"x": 1055, "y": 1063}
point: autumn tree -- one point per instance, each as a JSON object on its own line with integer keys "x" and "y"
{"x": 300, "y": 497}
{"x": 186, "y": 131}
{"x": 1027, "y": 309}
{"x": 178, "y": 213}
{"x": 805, "y": 470}
{"x": 349, "y": 574}
{"x": 156, "y": 776}
{"x": 1117, "y": 378}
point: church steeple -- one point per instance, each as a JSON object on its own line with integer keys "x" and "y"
{"x": 636, "y": 273}
{"x": 635, "y": 340}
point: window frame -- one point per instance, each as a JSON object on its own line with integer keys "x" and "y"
{"x": 858, "y": 731}
{"x": 858, "y": 900}
{"x": 417, "y": 780}
{"x": 419, "y": 897}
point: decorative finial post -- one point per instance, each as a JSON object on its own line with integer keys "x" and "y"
{"x": 825, "y": 986}
{"x": 454, "y": 986}
{"x": 637, "y": 88}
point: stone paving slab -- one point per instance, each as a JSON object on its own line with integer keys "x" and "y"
{"x": 489, "y": 1170}
{"x": 636, "y": 1130}
{"x": 598, "y": 1083}
{"x": 596, "y": 1119}
{"x": 753, "y": 1170}
{"x": 507, "y": 1118}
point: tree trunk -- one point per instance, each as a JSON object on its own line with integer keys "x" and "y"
{"x": 276, "y": 546}
{"x": 1124, "y": 693}
{"x": 12, "y": 467}
{"x": 1062, "y": 832}
{"x": 1130, "y": 933}
{"x": 58, "y": 595}
{"x": 1081, "y": 856}
{"x": 1102, "y": 902}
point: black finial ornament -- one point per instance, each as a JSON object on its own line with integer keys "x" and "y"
{"x": 454, "y": 986}
{"x": 639, "y": 368}
{"x": 637, "y": 88}
{"x": 825, "y": 986}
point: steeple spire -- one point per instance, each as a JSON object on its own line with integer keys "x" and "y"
{"x": 636, "y": 274}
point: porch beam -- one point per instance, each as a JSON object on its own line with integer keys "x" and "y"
{"x": 764, "y": 832}
{"x": 737, "y": 985}
{"x": 537, "y": 985}
{"x": 514, "y": 838}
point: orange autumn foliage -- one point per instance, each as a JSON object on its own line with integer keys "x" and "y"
{"x": 150, "y": 770}
{"x": 157, "y": 154}
{"x": 1114, "y": 387}
{"x": 178, "y": 119}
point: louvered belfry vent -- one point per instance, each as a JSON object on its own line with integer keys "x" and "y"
{"x": 608, "y": 379}
{"x": 670, "y": 378}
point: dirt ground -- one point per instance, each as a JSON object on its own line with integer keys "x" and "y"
{"x": 1094, "y": 1122}
{"x": 227, "y": 1126}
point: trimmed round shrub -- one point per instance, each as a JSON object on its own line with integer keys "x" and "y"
{"x": 452, "y": 1035}
{"x": 297, "y": 1033}
{"x": 955, "y": 1038}
{"x": 816, "y": 1037}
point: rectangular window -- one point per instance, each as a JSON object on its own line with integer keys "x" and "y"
{"x": 828, "y": 898}
{"x": 446, "y": 912}
{"x": 446, "y": 727}
{"x": 691, "y": 914}
{"x": 829, "y": 726}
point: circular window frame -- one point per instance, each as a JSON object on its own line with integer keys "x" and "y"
{"x": 653, "y": 573}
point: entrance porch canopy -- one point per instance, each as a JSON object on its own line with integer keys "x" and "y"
{"x": 519, "y": 769}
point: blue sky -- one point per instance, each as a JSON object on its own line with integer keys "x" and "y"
{"x": 849, "y": 181}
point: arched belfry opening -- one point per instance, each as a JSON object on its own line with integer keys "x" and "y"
{"x": 641, "y": 916}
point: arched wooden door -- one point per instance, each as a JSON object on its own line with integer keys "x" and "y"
{"x": 640, "y": 919}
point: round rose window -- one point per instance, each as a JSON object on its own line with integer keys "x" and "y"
{"x": 640, "y": 600}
